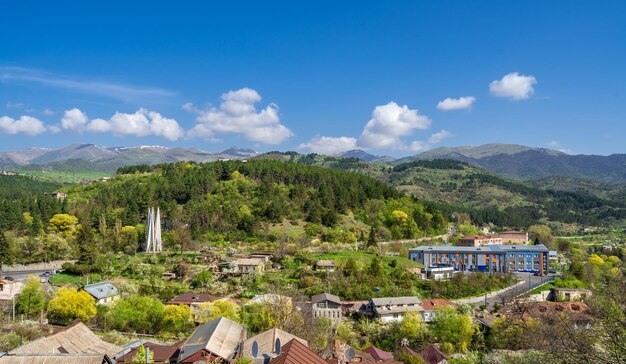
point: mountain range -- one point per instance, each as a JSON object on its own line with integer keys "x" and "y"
{"x": 509, "y": 160}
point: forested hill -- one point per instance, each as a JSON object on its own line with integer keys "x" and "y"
{"x": 238, "y": 200}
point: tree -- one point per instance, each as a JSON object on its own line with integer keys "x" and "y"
{"x": 540, "y": 234}
{"x": 129, "y": 237}
{"x": 143, "y": 356}
{"x": 221, "y": 308}
{"x": 88, "y": 251}
{"x": 177, "y": 318}
{"x": 371, "y": 240}
{"x": 181, "y": 237}
{"x": 31, "y": 299}
{"x": 413, "y": 328}
{"x": 139, "y": 313}
{"x": 452, "y": 327}
{"x": 64, "y": 225}
{"x": 69, "y": 304}
{"x": 203, "y": 279}
{"x": 6, "y": 253}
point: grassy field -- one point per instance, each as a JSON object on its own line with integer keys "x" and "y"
{"x": 365, "y": 258}
{"x": 65, "y": 278}
{"x": 63, "y": 176}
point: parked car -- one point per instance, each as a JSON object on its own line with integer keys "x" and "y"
{"x": 9, "y": 278}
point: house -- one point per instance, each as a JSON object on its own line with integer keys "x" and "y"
{"x": 569, "y": 294}
{"x": 193, "y": 300}
{"x": 75, "y": 339}
{"x": 340, "y": 353}
{"x": 213, "y": 342}
{"x": 493, "y": 258}
{"x": 514, "y": 237}
{"x": 324, "y": 266}
{"x": 431, "y": 306}
{"x": 480, "y": 240}
{"x": 327, "y": 306}
{"x": 295, "y": 352}
{"x": 439, "y": 272}
{"x": 432, "y": 355}
{"x": 46, "y": 358}
{"x": 161, "y": 353}
{"x": 243, "y": 266}
{"x": 9, "y": 289}
{"x": 393, "y": 308}
{"x": 58, "y": 195}
{"x": 266, "y": 257}
{"x": 266, "y": 345}
{"x": 103, "y": 292}
{"x": 378, "y": 354}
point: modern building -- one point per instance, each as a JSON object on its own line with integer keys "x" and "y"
{"x": 103, "y": 292}
{"x": 393, "y": 308}
{"x": 439, "y": 272}
{"x": 327, "y": 306}
{"x": 495, "y": 258}
{"x": 514, "y": 237}
{"x": 480, "y": 240}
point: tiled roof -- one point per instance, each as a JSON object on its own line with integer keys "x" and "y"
{"x": 192, "y": 297}
{"x": 378, "y": 354}
{"x": 294, "y": 352}
{"x": 432, "y": 355}
{"x": 325, "y": 297}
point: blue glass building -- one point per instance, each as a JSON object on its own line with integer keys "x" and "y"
{"x": 494, "y": 258}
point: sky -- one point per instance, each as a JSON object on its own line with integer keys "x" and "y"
{"x": 389, "y": 77}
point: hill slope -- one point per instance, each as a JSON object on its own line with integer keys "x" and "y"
{"x": 524, "y": 163}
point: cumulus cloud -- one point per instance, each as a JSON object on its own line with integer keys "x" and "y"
{"x": 237, "y": 114}
{"x": 389, "y": 123}
{"x": 329, "y": 145}
{"x": 141, "y": 123}
{"x": 25, "y": 124}
{"x": 439, "y": 136}
{"x": 456, "y": 104}
{"x": 514, "y": 86}
{"x": 74, "y": 120}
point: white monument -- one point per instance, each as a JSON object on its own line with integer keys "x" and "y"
{"x": 153, "y": 241}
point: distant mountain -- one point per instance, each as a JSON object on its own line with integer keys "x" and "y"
{"x": 365, "y": 156}
{"x": 525, "y": 163}
{"x": 95, "y": 158}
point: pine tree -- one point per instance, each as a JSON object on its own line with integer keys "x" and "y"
{"x": 6, "y": 256}
{"x": 371, "y": 240}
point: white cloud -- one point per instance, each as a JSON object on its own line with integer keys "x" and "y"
{"x": 48, "y": 112}
{"x": 439, "y": 136}
{"x": 456, "y": 104}
{"x": 25, "y": 124}
{"x": 74, "y": 120}
{"x": 329, "y": 145}
{"x": 102, "y": 88}
{"x": 389, "y": 123}
{"x": 238, "y": 115}
{"x": 514, "y": 86}
{"x": 141, "y": 123}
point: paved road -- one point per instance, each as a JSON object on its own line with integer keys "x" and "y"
{"x": 22, "y": 276}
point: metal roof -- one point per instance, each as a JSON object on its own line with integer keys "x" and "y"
{"x": 384, "y": 301}
{"x": 325, "y": 297}
{"x": 101, "y": 290}
{"x": 484, "y": 249}
{"x": 220, "y": 337}
{"x": 43, "y": 358}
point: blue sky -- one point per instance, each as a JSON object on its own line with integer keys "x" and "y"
{"x": 315, "y": 76}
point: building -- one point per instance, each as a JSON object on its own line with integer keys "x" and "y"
{"x": 514, "y": 237}
{"x": 327, "y": 306}
{"x": 75, "y": 339}
{"x": 9, "y": 289}
{"x": 193, "y": 300}
{"x": 393, "y": 308}
{"x": 213, "y": 342}
{"x": 379, "y": 354}
{"x": 432, "y": 355}
{"x": 161, "y": 353}
{"x": 58, "y": 195}
{"x": 45, "y": 358}
{"x": 431, "y": 306}
{"x": 295, "y": 352}
{"x": 439, "y": 272}
{"x": 495, "y": 258}
{"x": 243, "y": 266}
{"x": 340, "y": 353}
{"x": 480, "y": 240}
{"x": 324, "y": 266}
{"x": 271, "y": 299}
{"x": 103, "y": 292}
{"x": 266, "y": 345}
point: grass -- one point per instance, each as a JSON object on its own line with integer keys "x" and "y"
{"x": 63, "y": 278}
{"x": 63, "y": 176}
{"x": 543, "y": 287}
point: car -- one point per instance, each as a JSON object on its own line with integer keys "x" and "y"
{"x": 43, "y": 279}
{"x": 9, "y": 278}
{"x": 538, "y": 274}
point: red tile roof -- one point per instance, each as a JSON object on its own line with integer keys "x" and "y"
{"x": 432, "y": 355}
{"x": 378, "y": 354}
{"x": 192, "y": 297}
{"x": 295, "y": 352}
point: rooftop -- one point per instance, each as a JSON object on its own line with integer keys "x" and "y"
{"x": 484, "y": 249}
{"x": 325, "y": 297}
{"x": 325, "y": 263}
{"x": 192, "y": 297}
{"x": 295, "y": 352}
{"x": 384, "y": 301}
{"x": 220, "y": 337}
{"x": 101, "y": 290}
{"x": 436, "y": 303}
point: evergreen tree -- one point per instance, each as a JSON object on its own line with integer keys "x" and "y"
{"x": 6, "y": 255}
{"x": 371, "y": 240}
